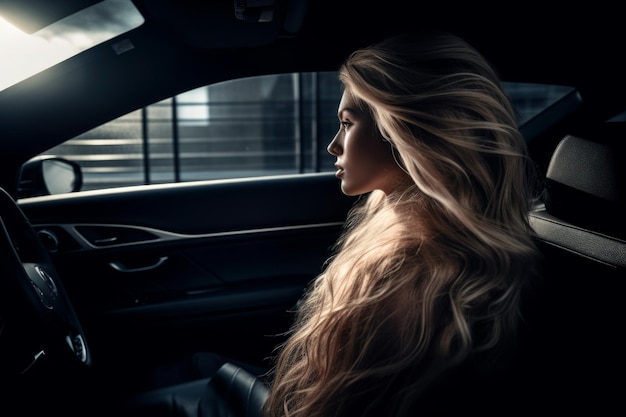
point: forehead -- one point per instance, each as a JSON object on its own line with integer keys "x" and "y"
{"x": 349, "y": 103}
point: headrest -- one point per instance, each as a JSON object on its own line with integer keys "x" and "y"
{"x": 586, "y": 178}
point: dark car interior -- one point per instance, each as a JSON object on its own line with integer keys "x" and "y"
{"x": 126, "y": 280}
{"x": 580, "y": 231}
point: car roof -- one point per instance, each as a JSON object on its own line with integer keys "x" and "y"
{"x": 185, "y": 44}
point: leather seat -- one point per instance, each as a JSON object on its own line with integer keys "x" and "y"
{"x": 231, "y": 392}
{"x": 576, "y": 346}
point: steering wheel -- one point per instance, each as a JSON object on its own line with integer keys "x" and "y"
{"x": 37, "y": 319}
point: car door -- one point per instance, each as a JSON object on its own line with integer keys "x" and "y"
{"x": 160, "y": 271}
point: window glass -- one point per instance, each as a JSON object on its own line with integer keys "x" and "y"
{"x": 26, "y": 54}
{"x": 268, "y": 125}
{"x": 530, "y": 99}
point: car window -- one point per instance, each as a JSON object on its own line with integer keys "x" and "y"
{"x": 259, "y": 126}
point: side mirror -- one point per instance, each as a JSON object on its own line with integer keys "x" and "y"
{"x": 48, "y": 175}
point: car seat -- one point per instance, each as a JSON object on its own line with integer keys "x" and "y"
{"x": 576, "y": 342}
{"x": 231, "y": 391}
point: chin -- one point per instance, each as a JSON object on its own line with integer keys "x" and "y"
{"x": 351, "y": 192}
{"x": 347, "y": 191}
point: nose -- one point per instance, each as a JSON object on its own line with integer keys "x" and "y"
{"x": 334, "y": 147}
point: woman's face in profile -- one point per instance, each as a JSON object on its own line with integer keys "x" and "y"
{"x": 364, "y": 160}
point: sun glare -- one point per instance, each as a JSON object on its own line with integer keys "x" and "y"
{"x": 23, "y": 55}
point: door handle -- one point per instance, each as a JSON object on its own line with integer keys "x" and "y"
{"x": 118, "y": 266}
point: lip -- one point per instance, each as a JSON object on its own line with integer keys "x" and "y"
{"x": 340, "y": 170}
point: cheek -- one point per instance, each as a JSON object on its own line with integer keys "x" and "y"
{"x": 377, "y": 155}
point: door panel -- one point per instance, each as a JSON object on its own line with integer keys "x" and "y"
{"x": 212, "y": 265}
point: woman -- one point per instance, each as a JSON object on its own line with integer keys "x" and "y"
{"x": 430, "y": 270}
{"x": 426, "y": 281}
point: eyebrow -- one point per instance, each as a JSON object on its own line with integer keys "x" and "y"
{"x": 344, "y": 110}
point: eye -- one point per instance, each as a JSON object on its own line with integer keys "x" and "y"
{"x": 344, "y": 124}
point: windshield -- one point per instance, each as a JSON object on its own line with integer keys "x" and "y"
{"x": 23, "y": 55}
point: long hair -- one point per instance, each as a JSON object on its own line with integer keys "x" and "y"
{"x": 432, "y": 273}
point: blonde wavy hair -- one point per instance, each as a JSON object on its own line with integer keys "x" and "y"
{"x": 426, "y": 276}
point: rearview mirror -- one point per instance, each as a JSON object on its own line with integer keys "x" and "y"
{"x": 48, "y": 175}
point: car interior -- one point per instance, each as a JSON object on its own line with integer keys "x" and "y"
{"x": 101, "y": 287}
{"x": 579, "y": 227}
